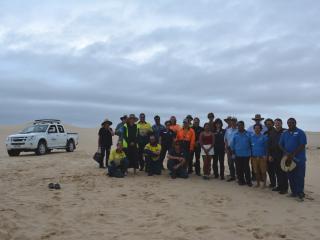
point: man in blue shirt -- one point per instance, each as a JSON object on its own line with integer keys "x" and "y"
{"x": 241, "y": 148}
{"x": 230, "y": 131}
{"x": 157, "y": 128}
{"x": 293, "y": 144}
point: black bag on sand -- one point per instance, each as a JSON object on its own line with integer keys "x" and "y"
{"x": 97, "y": 156}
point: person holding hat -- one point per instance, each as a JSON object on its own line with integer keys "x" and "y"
{"x": 145, "y": 130}
{"x": 174, "y": 126}
{"x": 105, "y": 141}
{"x": 293, "y": 143}
{"x": 157, "y": 128}
{"x": 119, "y": 128}
{"x": 211, "y": 122}
{"x": 219, "y": 149}
{"x": 130, "y": 141}
{"x": 228, "y": 137}
{"x": 258, "y": 119}
{"x": 187, "y": 138}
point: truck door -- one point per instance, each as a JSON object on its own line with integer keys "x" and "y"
{"x": 52, "y": 136}
{"x": 62, "y": 139}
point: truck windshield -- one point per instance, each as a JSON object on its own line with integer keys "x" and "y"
{"x": 35, "y": 129}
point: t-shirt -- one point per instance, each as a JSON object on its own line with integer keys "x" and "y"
{"x": 291, "y": 140}
{"x": 105, "y": 137}
{"x": 219, "y": 144}
{"x": 116, "y": 157}
{"x": 173, "y": 153}
{"x": 153, "y": 149}
{"x": 144, "y": 129}
{"x": 259, "y": 145}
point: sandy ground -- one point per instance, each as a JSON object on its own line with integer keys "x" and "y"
{"x": 91, "y": 205}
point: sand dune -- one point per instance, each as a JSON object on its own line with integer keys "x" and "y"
{"x": 92, "y": 206}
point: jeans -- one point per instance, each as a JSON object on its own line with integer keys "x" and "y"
{"x": 154, "y": 166}
{"x": 296, "y": 178}
{"x": 231, "y": 164}
{"x": 272, "y": 173}
{"x": 142, "y": 143}
{"x": 282, "y": 177}
{"x": 195, "y": 153}
{"x": 105, "y": 152}
{"x": 118, "y": 171}
{"x": 218, "y": 157}
{"x": 243, "y": 169}
{"x": 180, "y": 172}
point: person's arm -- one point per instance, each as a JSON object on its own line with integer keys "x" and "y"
{"x": 201, "y": 142}
{"x": 302, "y": 146}
{"x": 192, "y": 139}
{"x": 111, "y": 131}
{"x": 170, "y": 157}
{"x": 213, "y": 141}
{"x": 99, "y": 138}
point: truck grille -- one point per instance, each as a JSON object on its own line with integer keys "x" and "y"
{"x": 18, "y": 140}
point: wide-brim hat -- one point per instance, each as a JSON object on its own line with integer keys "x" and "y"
{"x": 258, "y": 117}
{"x": 210, "y": 114}
{"x": 106, "y": 121}
{"x": 132, "y": 116}
{"x": 189, "y": 117}
{"x": 284, "y": 166}
{"x": 123, "y": 117}
{"x": 228, "y": 119}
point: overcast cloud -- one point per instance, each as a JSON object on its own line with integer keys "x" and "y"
{"x": 82, "y": 61}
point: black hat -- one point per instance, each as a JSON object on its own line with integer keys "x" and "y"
{"x": 106, "y": 121}
{"x": 123, "y": 117}
{"x": 189, "y": 117}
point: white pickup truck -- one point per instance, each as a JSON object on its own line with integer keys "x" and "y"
{"x": 42, "y": 137}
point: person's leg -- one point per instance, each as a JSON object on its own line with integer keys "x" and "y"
{"x": 231, "y": 165}
{"x": 240, "y": 170}
{"x": 112, "y": 170}
{"x": 163, "y": 154}
{"x": 292, "y": 182}
{"x": 197, "y": 163}
{"x": 182, "y": 172}
{"x": 103, "y": 154}
{"x": 190, "y": 162}
{"x": 301, "y": 171}
{"x": 158, "y": 167}
{"x": 170, "y": 166}
{"x": 247, "y": 172}
{"x": 124, "y": 165}
{"x": 215, "y": 165}
{"x": 221, "y": 163}
{"x": 263, "y": 170}
{"x": 140, "y": 155}
{"x": 107, "y": 156}
{"x": 271, "y": 173}
{"x": 205, "y": 166}
{"x": 255, "y": 166}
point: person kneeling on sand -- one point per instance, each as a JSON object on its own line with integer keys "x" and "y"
{"x": 152, "y": 156}
{"x": 118, "y": 163}
{"x": 176, "y": 162}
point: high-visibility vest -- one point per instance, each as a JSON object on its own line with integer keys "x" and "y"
{"x": 126, "y": 135}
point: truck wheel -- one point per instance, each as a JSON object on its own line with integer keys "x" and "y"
{"x": 42, "y": 148}
{"x": 70, "y": 146}
{"x": 13, "y": 153}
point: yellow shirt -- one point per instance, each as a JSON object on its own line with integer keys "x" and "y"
{"x": 116, "y": 157}
{"x": 144, "y": 128}
{"x": 154, "y": 149}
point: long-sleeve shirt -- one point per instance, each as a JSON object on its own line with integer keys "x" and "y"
{"x": 274, "y": 149}
{"x": 229, "y": 135}
{"x": 187, "y": 135}
{"x": 116, "y": 156}
{"x": 259, "y": 144}
{"x": 241, "y": 144}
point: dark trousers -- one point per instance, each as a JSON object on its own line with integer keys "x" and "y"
{"x": 154, "y": 166}
{"x": 141, "y": 145}
{"x": 163, "y": 153}
{"x": 118, "y": 171}
{"x": 196, "y": 153}
{"x": 132, "y": 156}
{"x": 218, "y": 157}
{"x": 231, "y": 165}
{"x": 296, "y": 178}
{"x": 180, "y": 172}
{"x": 272, "y": 173}
{"x": 282, "y": 177}
{"x": 105, "y": 152}
{"x": 243, "y": 170}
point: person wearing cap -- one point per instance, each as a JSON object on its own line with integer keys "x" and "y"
{"x": 119, "y": 128}
{"x": 258, "y": 119}
{"x": 293, "y": 143}
{"x": 275, "y": 154}
{"x": 118, "y": 162}
{"x": 211, "y": 122}
{"x": 228, "y": 137}
{"x": 105, "y": 141}
{"x": 197, "y": 149}
{"x": 241, "y": 149}
{"x": 271, "y": 163}
{"x": 259, "y": 155}
{"x": 145, "y": 130}
{"x": 176, "y": 162}
{"x": 157, "y": 128}
{"x": 219, "y": 150}
{"x": 152, "y": 156}
{"x": 130, "y": 141}
{"x": 187, "y": 138}
{"x": 174, "y": 126}
{"x": 166, "y": 140}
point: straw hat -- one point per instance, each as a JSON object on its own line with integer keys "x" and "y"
{"x": 257, "y": 117}
{"x": 134, "y": 117}
{"x": 285, "y": 167}
{"x": 229, "y": 118}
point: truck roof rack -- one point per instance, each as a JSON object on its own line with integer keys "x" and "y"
{"x": 51, "y": 121}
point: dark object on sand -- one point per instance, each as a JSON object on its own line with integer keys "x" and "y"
{"x": 57, "y": 186}
{"x": 51, "y": 186}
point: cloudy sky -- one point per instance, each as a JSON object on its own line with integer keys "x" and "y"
{"x": 82, "y": 61}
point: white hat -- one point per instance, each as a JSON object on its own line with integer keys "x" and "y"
{"x": 285, "y": 167}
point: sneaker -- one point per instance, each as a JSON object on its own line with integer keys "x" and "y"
{"x": 292, "y": 195}
{"x": 249, "y": 184}
{"x": 283, "y": 192}
{"x": 276, "y": 189}
{"x": 231, "y": 179}
{"x": 300, "y": 197}
{"x": 206, "y": 177}
{"x": 241, "y": 183}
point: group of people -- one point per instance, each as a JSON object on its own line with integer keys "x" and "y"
{"x": 272, "y": 150}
